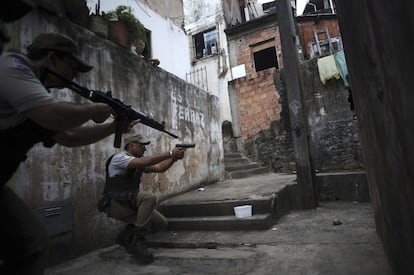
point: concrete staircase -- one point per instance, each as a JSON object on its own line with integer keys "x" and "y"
{"x": 237, "y": 166}
{"x": 212, "y": 209}
{"x": 246, "y": 183}
{"x": 271, "y": 195}
{"x": 219, "y": 216}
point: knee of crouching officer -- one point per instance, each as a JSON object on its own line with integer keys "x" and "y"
{"x": 147, "y": 198}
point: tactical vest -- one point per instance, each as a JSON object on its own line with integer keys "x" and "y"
{"x": 125, "y": 183}
{"x": 16, "y": 141}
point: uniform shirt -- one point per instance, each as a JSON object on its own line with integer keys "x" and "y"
{"x": 119, "y": 164}
{"x": 20, "y": 90}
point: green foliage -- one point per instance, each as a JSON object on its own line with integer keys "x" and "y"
{"x": 133, "y": 26}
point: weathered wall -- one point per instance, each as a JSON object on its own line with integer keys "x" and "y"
{"x": 201, "y": 16}
{"x": 232, "y": 12}
{"x": 335, "y": 142}
{"x": 334, "y": 132}
{"x": 258, "y": 102}
{"x": 274, "y": 147}
{"x": 262, "y": 108}
{"x": 257, "y": 98}
{"x": 377, "y": 37}
{"x": 51, "y": 176}
{"x": 169, "y": 9}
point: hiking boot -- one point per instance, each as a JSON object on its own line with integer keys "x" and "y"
{"x": 133, "y": 240}
{"x": 126, "y": 235}
{"x": 140, "y": 250}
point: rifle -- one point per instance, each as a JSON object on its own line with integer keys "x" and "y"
{"x": 124, "y": 113}
{"x": 184, "y": 145}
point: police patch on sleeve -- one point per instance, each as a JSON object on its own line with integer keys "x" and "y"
{"x": 18, "y": 63}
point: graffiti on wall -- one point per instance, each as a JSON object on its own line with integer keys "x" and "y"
{"x": 181, "y": 111}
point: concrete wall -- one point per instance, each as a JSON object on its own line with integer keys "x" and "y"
{"x": 60, "y": 174}
{"x": 377, "y": 37}
{"x": 201, "y": 16}
{"x": 335, "y": 144}
{"x": 334, "y": 131}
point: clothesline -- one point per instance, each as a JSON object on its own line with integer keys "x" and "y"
{"x": 333, "y": 66}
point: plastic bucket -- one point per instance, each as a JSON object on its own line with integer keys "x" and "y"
{"x": 243, "y": 211}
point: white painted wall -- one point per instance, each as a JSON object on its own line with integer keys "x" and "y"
{"x": 200, "y": 16}
{"x": 169, "y": 42}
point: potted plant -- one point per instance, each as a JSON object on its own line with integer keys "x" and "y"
{"x": 131, "y": 26}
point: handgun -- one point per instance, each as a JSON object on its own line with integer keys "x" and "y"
{"x": 185, "y": 145}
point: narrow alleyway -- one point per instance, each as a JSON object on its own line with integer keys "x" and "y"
{"x": 301, "y": 242}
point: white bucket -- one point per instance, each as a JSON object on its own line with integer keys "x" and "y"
{"x": 243, "y": 211}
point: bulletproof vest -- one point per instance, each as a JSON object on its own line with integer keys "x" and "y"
{"x": 122, "y": 183}
{"x": 16, "y": 141}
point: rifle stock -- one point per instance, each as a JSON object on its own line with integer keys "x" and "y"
{"x": 124, "y": 113}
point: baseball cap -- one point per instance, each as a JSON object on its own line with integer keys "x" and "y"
{"x": 60, "y": 43}
{"x": 137, "y": 138}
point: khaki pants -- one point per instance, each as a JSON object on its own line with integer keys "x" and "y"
{"x": 144, "y": 216}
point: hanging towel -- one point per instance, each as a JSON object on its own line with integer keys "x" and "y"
{"x": 327, "y": 68}
{"x": 341, "y": 64}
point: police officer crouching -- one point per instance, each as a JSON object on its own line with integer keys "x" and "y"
{"x": 123, "y": 200}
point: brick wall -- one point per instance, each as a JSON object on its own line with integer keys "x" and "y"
{"x": 257, "y": 102}
{"x": 256, "y": 92}
{"x": 306, "y": 29}
{"x": 335, "y": 144}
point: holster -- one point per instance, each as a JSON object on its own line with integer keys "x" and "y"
{"x": 104, "y": 203}
{"x": 127, "y": 198}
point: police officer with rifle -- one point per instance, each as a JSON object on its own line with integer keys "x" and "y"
{"x": 29, "y": 114}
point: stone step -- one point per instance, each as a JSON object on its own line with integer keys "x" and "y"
{"x": 233, "y": 155}
{"x": 230, "y": 146}
{"x": 243, "y": 166}
{"x": 235, "y": 160}
{"x": 214, "y": 208}
{"x": 177, "y": 259}
{"x": 344, "y": 186}
{"x": 221, "y": 223}
{"x": 270, "y": 195}
{"x": 248, "y": 172}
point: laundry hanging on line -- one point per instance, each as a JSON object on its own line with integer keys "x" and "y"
{"x": 340, "y": 61}
{"x": 327, "y": 68}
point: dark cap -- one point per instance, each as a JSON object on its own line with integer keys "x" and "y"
{"x": 137, "y": 138}
{"x": 12, "y": 10}
{"x": 60, "y": 43}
